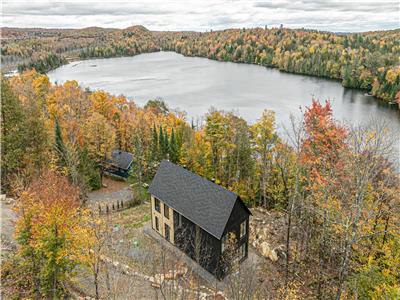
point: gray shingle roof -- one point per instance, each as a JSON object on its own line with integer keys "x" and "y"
{"x": 121, "y": 159}
{"x": 203, "y": 202}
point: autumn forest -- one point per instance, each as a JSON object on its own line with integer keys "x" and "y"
{"x": 367, "y": 61}
{"x": 335, "y": 184}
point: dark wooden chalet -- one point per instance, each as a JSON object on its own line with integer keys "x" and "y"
{"x": 120, "y": 163}
{"x": 196, "y": 215}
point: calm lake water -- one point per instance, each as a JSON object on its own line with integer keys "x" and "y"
{"x": 196, "y": 84}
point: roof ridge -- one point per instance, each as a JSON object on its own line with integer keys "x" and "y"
{"x": 200, "y": 200}
{"x": 201, "y": 177}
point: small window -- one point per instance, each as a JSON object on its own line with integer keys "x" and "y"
{"x": 167, "y": 232}
{"x": 242, "y": 250}
{"x": 166, "y": 211}
{"x": 180, "y": 220}
{"x": 223, "y": 242}
{"x": 157, "y": 225}
{"x": 243, "y": 228}
{"x": 157, "y": 205}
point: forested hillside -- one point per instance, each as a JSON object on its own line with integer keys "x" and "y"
{"x": 368, "y": 61}
{"x": 334, "y": 184}
{"x": 47, "y": 49}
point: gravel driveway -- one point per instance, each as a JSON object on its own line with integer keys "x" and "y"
{"x": 124, "y": 194}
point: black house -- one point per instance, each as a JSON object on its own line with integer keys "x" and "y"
{"x": 120, "y": 163}
{"x": 197, "y": 215}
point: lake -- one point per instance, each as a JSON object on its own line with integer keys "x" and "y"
{"x": 195, "y": 84}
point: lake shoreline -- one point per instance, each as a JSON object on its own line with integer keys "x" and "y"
{"x": 195, "y": 84}
{"x": 397, "y": 105}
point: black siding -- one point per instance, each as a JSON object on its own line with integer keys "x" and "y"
{"x": 198, "y": 244}
{"x": 239, "y": 214}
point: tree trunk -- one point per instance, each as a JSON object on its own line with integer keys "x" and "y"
{"x": 322, "y": 249}
{"x": 289, "y": 227}
{"x": 386, "y": 228}
{"x": 96, "y": 281}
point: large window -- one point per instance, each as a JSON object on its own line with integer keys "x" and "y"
{"x": 166, "y": 211}
{"x": 167, "y": 232}
{"x": 157, "y": 205}
{"x": 157, "y": 225}
{"x": 223, "y": 242}
{"x": 242, "y": 250}
{"x": 243, "y": 228}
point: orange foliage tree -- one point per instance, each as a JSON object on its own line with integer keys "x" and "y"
{"x": 50, "y": 231}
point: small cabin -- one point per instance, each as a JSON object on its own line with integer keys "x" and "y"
{"x": 120, "y": 163}
{"x": 197, "y": 216}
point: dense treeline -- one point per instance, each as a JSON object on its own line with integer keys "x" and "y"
{"x": 37, "y": 48}
{"x": 128, "y": 42}
{"x": 367, "y": 61}
{"x": 45, "y": 64}
{"x": 335, "y": 184}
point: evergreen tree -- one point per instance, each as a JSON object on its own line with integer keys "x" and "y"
{"x": 161, "y": 143}
{"x": 13, "y": 131}
{"x": 88, "y": 168}
{"x": 154, "y": 145}
{"x": 166, "y": 144}
{"x": 59, "y": 144}
{"x": 173, "y": 148}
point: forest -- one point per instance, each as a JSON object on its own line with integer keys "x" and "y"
{"x": 334, "y": 183}
{"x": 367, "y": 61}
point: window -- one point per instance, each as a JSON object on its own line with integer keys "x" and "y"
{"x": 157, "y": 205}
{"x": 243, "y": 228}
{"x": 166, "y": 211}
{"x": 223, "y": 242}
{"x": 157, "y": 226}
{"x": 242, "y": 251}
{"x": 180, "y": 220}
{"x": 167, "y": 232}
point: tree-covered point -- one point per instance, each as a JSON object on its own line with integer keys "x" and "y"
{"x": 44, "y": 64}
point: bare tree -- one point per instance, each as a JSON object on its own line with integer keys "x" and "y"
{"x": 369, "y": 143}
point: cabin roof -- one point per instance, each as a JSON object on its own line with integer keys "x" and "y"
{"x": 201, "y": 201}
{"x": 121, "y": 159}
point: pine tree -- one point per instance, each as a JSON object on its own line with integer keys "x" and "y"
{"x": 161, "y": 143}
{"x": 154, "y": 145}
{"x": 59, "y": 144}
{"x": 13, "y": 132}
{"x": 173, "y": 148}
{"x": 166, "y": 144}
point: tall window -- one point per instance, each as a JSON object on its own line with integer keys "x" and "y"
{"x": 166, "y": 211}
{"x": 243, "y": 228}
{"x": 242, "y": 250}
{"x": 223, "y": 242}
{"x": 167, "y": 232}
{"x": 157, "y": 205}
{"x": 157, "y": 225}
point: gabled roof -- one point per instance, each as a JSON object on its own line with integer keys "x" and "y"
{"x": 121, "y": 159}
{"x": 201, "y": 201}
